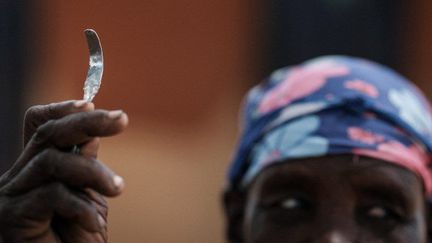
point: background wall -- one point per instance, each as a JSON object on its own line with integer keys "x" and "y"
{"x": 179, "y": 69}
{"x": 13, "y": 66}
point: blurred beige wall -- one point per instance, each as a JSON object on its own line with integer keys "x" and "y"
{"x": 179, "y": 69}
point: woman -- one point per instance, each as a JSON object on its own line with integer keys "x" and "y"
{"x": 334, "y": 150}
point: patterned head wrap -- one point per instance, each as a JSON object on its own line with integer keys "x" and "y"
{"x": 334, "y": 105}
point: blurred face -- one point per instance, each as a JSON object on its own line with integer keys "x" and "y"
{"x": 335, "y": 200}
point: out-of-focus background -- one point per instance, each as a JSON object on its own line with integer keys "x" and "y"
{"x": 179, "y": 69}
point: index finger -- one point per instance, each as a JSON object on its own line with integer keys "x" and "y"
{"x": 37, "y": 115}
{"x": 77, "y": 128}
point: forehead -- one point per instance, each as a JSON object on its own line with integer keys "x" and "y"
{"x": 338, "y": 171}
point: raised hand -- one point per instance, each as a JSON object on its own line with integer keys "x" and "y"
{"x": 51, "y": 194}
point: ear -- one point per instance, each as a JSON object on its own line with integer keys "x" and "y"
{"x": 234, "y": 205}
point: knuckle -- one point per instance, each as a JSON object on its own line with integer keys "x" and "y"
{"x": 56, "y": 188}
{"x": 8, "y": 212}
{"x": 58, "y": 195}
{"x": 33, "y": 114}
{"x": 44, "y": 132}
{"x": 33, "y": 110}
{"x": 45, "y": 160}
{"x": 53, "y": 192}
{"x": 43, "y": 112}
{"x": 53, "y": 110}
{"x": 78, "y": 208}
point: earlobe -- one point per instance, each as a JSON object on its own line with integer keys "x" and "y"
{"x": 234, "y": 202}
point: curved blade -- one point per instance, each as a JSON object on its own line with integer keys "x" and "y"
{"x": 95, "y": 71}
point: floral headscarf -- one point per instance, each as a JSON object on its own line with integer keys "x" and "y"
{"x": 334, "y": 105}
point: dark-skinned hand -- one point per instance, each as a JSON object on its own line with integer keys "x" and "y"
{"x": 51, "y": 194}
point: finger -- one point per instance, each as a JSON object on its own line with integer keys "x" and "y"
{"x": 70, "y": 232}
{"x": 43, "y": 203}
{"x": 71, "y": 169}
{"x": 90, "y": 149}
{"x": 80, "y": 128}
{"x": 98, "y": 201}
{"x": 39, "y": 114}
{"x": 77, "y": 128}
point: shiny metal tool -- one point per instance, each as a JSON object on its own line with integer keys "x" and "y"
{"x": 95, "y": 71}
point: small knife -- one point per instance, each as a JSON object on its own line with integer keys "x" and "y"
{"x": 95, "y": 71}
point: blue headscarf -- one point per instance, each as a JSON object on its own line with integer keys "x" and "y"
{"x": 334, "y": 105}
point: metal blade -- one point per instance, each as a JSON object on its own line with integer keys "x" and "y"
{"x": 95, "y": 71}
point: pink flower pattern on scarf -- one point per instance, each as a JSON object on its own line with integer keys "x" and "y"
{"x": 361, "y": 135}
{"x": 362, "y": 87}
{"x": 301, "y": 82}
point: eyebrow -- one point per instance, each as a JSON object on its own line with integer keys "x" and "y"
{"x": 386, "y": 193}
{"x": 283, "y": 181}
{"x": 391, "y": 188}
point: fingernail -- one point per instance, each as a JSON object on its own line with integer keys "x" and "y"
{"x": 118, "y": 182}
{"x": 101, "y": 220}
{"x": 115, "y": 114}
{"x": 80, "y": 103}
